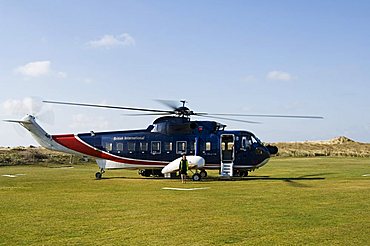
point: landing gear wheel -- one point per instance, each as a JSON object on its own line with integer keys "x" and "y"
{"x": 196, "y": 177}
{"x": 243, "y": 173}
{"x": 98, "y": 175}
{"x": 144, "y": 173}
{"x": 203, "y": 174}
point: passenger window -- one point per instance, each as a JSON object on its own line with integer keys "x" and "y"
{"x": 131, "y": 146}
{"x": 167, "y": 146}
{"x": 181, "y": 147}
{"x": 156, "y": 147}
{"x": 143, "y": 146}
{"x": 108, "y": 146}
{"x": 119, "y": 146}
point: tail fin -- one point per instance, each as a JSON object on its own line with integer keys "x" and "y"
{"x": 39, "y": 134}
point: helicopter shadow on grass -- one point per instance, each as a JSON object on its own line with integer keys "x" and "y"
{"x": 293, "y": 181}
{"x": 139, "y": 178}
{"x": 130, "y": 178}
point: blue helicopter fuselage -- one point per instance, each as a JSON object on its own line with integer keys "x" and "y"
{"x": 170, "y": 137}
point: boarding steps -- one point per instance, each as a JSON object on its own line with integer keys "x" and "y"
{"x": 227, "y": 169}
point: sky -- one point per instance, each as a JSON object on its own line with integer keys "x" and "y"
{"x": 247, "y": 57}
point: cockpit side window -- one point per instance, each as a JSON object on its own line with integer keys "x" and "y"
{"x": 246, "y": 142}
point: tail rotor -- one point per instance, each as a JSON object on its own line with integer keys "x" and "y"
{"x": 18, "y": 108}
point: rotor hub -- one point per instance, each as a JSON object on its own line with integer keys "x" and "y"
{"x": 183, "y": 111}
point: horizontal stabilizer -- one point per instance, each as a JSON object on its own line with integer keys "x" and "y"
{"x": 18, "y": 121}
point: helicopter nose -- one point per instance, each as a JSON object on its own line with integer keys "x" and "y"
{"x": 273, "y": 150}
{"x": 264, "y": 155}
{"x": 262, "y": 151}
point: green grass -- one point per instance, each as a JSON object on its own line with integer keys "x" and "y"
{"x": 306, "y": 201}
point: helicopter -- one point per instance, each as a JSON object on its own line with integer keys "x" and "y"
{"x": 157, "y": 150}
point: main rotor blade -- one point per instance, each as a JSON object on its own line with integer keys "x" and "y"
{"x": 146, "y": 114}
{"x": 229, "y": 119}
{"x": 110, "y": 106}
{"x": 169, "y": 103}
{"x": 267, "y": 116}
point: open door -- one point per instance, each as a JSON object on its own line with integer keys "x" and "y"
{"x": 227, "y": 147}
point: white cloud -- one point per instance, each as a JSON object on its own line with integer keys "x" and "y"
{"x": 34, "y": 69}
{"x": 279, "y": 75}
{"x": 84, "y": 122}
{"x": 128, "y": 40}
{"x": 27, "y": 105}
{"x": 109, "y": 41}
{"x": 38, "y": 69}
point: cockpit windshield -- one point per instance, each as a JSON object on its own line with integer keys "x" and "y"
{"x": 249, "y": 140}
{"x": 255, "y": 140}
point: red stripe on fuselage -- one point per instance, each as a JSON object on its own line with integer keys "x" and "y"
{"x": 71, "y": 142}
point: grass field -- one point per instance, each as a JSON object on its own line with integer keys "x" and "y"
{"x": 295, "y": 201}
